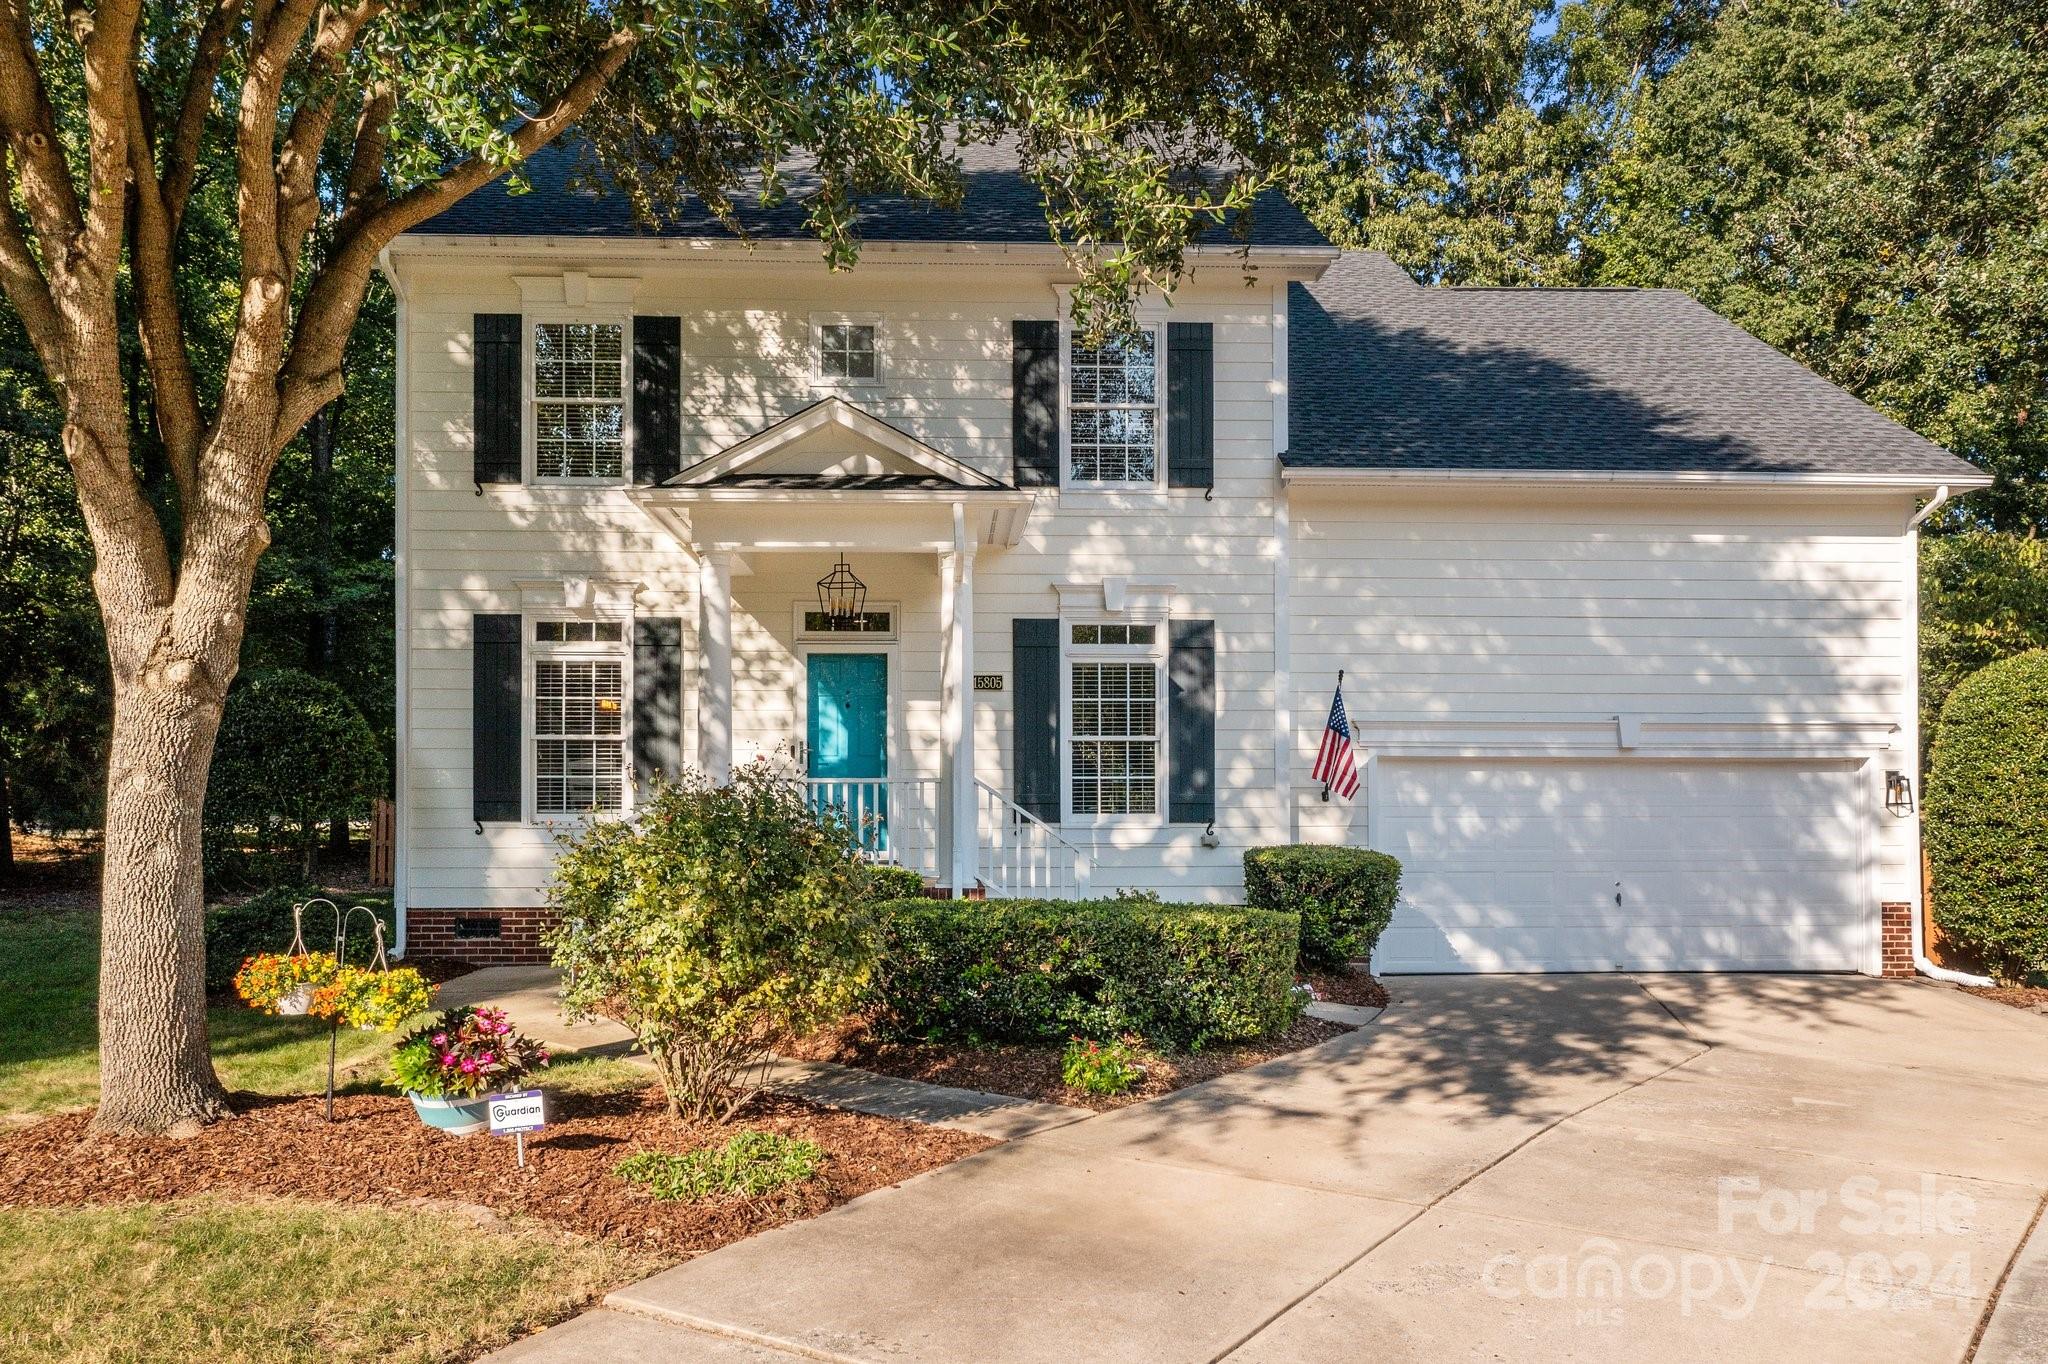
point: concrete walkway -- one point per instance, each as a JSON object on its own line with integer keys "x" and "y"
{"x": 1529, "y": 1168}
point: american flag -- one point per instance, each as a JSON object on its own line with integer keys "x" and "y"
{"x": 1336, "y": 767}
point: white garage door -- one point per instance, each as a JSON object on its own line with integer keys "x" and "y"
{"x": 1626, "y": 865}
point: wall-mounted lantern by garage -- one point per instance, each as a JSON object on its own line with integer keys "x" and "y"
{"x": 1898, "y": 793}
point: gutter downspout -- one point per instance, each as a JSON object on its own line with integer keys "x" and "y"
{"x": 1921, "y": 963}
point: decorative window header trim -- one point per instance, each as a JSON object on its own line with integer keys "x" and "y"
{"x": 578, "y": 596}
{"x": 576, "y": 289}
{"x": 1117, "y": 596}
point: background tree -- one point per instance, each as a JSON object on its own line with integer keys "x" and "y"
{"x": 339, "y": 125}
{"x": 293, "y": 754}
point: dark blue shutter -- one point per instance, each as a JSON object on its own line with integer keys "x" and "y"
{"x": 497, "y": 396}
{"x": 657, "y": 398}
{"x": 1035, "y": 403}
{"x": 494, "y": 718}
{"x": 1191, "y": 722}
{"x": 1190, "y": 405}
{"x": 657, "y": 700}
{"x": 1035, "y": 719}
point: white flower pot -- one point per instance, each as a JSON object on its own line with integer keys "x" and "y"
{"x": 296, "y": 1003}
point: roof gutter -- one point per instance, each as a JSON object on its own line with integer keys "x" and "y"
{"x": 1329, "y": 477}
{"x": 1933, "y": 506}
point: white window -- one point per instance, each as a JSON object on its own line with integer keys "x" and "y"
{"x": 1115, "y": 698}
{"x": 579, "y": 401}
{"x": 580, "y": 674}
{"x": 848, "y": 350}
{"x": 1113, "y": 410}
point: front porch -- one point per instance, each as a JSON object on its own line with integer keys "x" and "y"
{"x": 875, "y": 707}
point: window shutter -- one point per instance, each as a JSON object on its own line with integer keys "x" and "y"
{"x": 657, "y": 700}
{"x": 1190, "y": 405}
{"x": 498, "y": 397}
{"x": 1035, "y": 721}
{"x": 494, "y": 718}
{"x": 1035, "y": 403}
{"x": 1191, "y": 722}
{"x": 657, "y": 398}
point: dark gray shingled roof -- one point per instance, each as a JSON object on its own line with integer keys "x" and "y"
{"x": 1385, "y": 374}
{"x": 1000, "y": 205}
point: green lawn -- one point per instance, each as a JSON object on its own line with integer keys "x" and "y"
{"x": 49, "y": 1036}
{"x": 252, "y": 1281}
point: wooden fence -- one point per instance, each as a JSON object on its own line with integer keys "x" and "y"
{"x": 383, "y": 840}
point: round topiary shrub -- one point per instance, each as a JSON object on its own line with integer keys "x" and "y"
{"x": 1986, "y": 815}
{"x": 293, "y": 753}
{"x": 1345, "y": 896}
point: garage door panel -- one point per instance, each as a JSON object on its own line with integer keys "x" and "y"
{"x": 1718, "y": 866}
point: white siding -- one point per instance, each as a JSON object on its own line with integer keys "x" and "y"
{"x": 746, "y": 363}
{"x": 1529, "y": 621}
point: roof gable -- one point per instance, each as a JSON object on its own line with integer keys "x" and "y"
{"x": 832, "y": 442}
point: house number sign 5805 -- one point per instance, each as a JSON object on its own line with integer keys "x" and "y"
{"x": 988, "y": 681}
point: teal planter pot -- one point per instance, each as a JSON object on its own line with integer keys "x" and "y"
{"x": 456, "y": 1117}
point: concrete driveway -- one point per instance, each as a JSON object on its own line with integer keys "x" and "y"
{"x": 1527, "y": 1168}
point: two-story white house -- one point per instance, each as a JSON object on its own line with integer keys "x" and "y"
{"x": 1623, "y": 599}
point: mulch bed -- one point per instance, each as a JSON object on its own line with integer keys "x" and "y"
{"x": 1033, "y": 1072}
{"x": 377, "y": 1151}
{"x": 1348, "y": 987}
{"x": 2033, "y": 998}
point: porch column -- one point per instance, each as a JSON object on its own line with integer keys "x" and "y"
{"x": 957, "y": 728}
{"x": 714, "y": 664}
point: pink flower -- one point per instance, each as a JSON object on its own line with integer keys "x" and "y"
{"x": 468, "y": 1067}
{"x": 487, "y": 1058}
{"x": 440, "y": 1039}
{"x": 447, "y": 1058}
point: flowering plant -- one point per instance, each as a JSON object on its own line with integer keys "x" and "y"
{"x": 372, "y": 1000}
{"x": 1102, "y": 1067}
{"x": 465, "y": 1053}
{"x": 268, "y": 977}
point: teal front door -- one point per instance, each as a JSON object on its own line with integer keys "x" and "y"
{"x": 847, "y": 736}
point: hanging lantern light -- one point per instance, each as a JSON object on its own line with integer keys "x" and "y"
{"x": 841, "y": 595}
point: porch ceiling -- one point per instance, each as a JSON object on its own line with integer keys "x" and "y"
{"x": 766, "y": 517}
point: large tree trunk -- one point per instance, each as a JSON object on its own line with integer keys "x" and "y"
{"x": 156, "y": 1071}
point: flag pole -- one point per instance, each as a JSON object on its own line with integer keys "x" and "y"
{"x": 1340, "y": 692}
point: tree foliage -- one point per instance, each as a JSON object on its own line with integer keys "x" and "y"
{"x": 1858, "y": 182}
{"x": 1983, "y": 597}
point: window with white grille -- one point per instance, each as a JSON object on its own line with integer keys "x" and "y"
{"x": 579, "y": 726}
{"x": 1114, "y": 686}
{"x": 579, "y": 400}
{"x": 1113, "y": 410}
{"x": 847, "y": 353}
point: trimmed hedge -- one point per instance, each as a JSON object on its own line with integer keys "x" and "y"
{"x": 893, "y": 883}
{"x": 1345, "y": 896}
{"x": 1987, "y": 815}
{"x": 1046, "y": 970}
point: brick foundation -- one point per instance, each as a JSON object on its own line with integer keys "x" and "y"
{"x": 1895, "y": 925}
{"x": 485, "y": 937}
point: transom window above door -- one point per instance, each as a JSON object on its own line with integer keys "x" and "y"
{"x": 579, "y": 400}
{"x": 1113, "y": 410}
{"x": 848, "y": 352}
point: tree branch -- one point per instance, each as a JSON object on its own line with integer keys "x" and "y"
{"x": 181, "y": 154}
{"x": 312, "y": 367}
{"x": 22, "y": 280}
{"x": 159, "y": 320}
{"x": 298, "y": 162}
{"x": 30, "y": 125}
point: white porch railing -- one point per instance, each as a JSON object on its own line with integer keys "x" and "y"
{"x": 1020, "y": 854}
{"x": 894, "y": 818}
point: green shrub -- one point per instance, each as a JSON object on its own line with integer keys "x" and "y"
{"x": 263, "y": 923}
{"x": 1345, "y": 896}
{"x": 749, "y": 1164}
{"x": 1986, "y": 830}
{"x": 893, "y": 883}
{"x": 293, "y": 753}
{"x": 1047, "y": 970}
{"x": 1100, "y": 1067}
{"x": 717, "y": 922}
